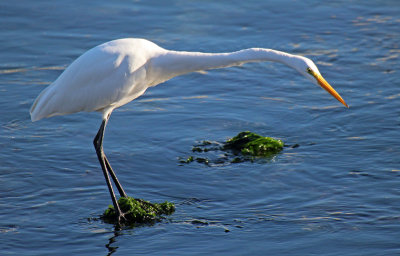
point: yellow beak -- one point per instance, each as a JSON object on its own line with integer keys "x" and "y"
{"x": 324, "y": 84}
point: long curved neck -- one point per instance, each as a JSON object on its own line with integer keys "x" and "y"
{"x": 175, "y": 63}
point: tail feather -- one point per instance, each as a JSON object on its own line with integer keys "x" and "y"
{"x": 34, "y": 116}
{"x": 37, "y": 110}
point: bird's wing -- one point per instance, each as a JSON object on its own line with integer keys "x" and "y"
{"x": 97, "y": 80}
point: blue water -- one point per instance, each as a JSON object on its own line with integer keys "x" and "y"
{"x": 338, "y": 193}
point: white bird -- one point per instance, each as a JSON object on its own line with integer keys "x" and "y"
{"x": 117, "y": 72}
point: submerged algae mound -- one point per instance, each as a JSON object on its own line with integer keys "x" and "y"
{"x": 138, "y": 211}
{"x": 246, "y": 146}
{"x": 252, "y": 144}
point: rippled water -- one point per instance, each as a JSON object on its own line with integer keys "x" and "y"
{"x": 336, "y": 194}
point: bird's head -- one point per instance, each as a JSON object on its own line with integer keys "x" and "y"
{"x": 307, "y": 68}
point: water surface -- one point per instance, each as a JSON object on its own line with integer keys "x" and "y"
{"x": 336, "y": 194}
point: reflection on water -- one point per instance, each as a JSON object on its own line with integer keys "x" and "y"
{"x": 335, "y": 194}
{"x": 111, "y": 249}
{"x": 18, "y": 70}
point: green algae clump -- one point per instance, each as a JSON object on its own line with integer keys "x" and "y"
{"x": 138, "y": 211}
{"x": 254, "y": 145}
{"x": 245, "y": 146}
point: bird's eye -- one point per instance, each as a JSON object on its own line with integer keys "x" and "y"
{"x": 309, "y": 70}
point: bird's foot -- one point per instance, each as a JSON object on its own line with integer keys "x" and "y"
{"x": 121, "y": 219}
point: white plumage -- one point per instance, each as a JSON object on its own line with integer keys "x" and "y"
{"x": 105, "y": 77}
{"x": 117, "y": 72}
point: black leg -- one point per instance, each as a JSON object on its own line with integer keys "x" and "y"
{"x": 114, "y": 177}
{"x": 98, "y": 145}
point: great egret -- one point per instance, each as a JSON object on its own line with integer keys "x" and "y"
{"x": 117, "y": 72}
